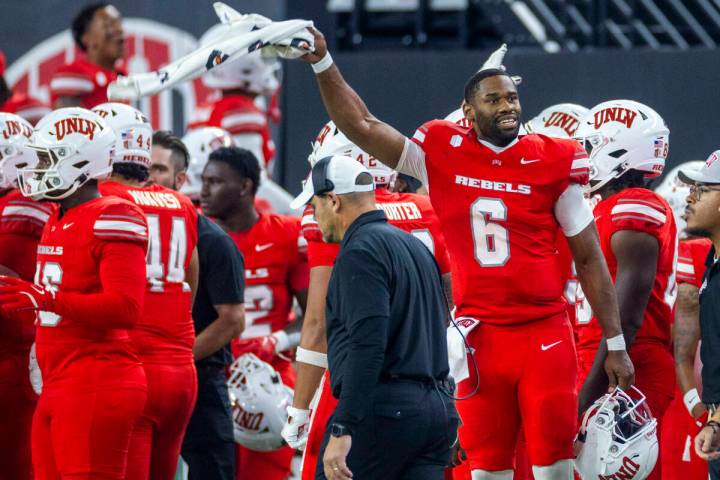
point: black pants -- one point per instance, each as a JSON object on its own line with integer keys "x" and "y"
{"x": 714, "y": 470}
{"x": 209, "y": 445}
{"x": 408, "y": 435}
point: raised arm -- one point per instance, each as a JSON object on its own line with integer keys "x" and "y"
{"x": 350, "y": 113}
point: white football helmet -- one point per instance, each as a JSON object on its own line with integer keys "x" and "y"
{"x": 620, "y": 438}
{"x": 622, "y": 135}
{"x": 15, "y": 133}
{"x": 201, "y": 142}
{"x": 331, "y": 141}
{"x": 133, "y": 130}
{"x": 560, "y": 121}
{"x": 252, "y": 72}
{"x": 73, "y": 145}
{"x": 675, "y": 191}
{"x": 259, "y": 402}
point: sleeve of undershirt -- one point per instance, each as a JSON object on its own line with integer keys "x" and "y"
{"x": 412, "y": 161}
{"x": 122, "y": 275}
{"x": 572, "y": 211}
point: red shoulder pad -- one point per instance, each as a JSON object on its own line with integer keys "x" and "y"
{"x": 580, "y": 165}
{"x": 643, "y": 212}
{"x": 121, "y": 221}
{"x": 71, "y": 80}
{"x": 21, "y": 215}
{"x": 685, "y": 264}
{"x": 309, "y": 226}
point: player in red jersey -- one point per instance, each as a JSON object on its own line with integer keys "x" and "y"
{"x": 412, "y": 213}
{"x": 29, "y": 108}
{"x": 501, "y": 200}
{"x": 21, "y": 224}
{"x": 242, "y": 84}
{"x": 686, "y": 412}
{"x": 165, "y": 335}
{"x": 87, "y": 295}
{"x": 628, "y": 143}
{"x": 276, "y": 269}
{"x": 98, "y": 33}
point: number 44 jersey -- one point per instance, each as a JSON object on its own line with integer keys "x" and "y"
{"x": 165, "y": 334}
{"x": 499, "y": 210}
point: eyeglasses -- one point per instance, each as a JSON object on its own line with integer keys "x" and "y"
{"x": 697, "y": 191}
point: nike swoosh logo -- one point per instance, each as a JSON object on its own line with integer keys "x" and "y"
{"x": 68, "y": 225}
{"x": 260, "y": 248}
{"x": 544, "y": 347}
{"x": 525, "y": 162}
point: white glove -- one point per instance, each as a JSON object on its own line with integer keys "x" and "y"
{"x": 35, "y": 374}
{"x": 295, "y": 431}
{"x": 495, "y": 61}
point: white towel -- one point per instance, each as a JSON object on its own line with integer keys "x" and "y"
{"x": 457, "y": 353}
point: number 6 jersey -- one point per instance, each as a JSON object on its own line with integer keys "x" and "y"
{"x": 500, "y": 210}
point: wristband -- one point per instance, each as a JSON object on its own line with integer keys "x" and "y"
{"x": 324, "y": 63}
{"x": 616, "y": 343}
{"x": 691, "y": 399}
{"x": 311, "y": 358}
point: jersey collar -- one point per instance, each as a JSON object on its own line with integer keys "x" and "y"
{"x": 495, "y": 148}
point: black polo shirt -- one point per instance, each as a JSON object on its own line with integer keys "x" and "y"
{"x": 221, "y": 282}
{"x": 710, "y": 330}
{"x": 386, "y": 314}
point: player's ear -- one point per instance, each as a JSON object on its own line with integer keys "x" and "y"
{"x": 334, "y": 201}
{"x": 180, "y": 179}
{"x": 468, "y": 111}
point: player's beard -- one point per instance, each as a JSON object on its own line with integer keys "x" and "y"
{"x": 491, "y": 131}
{"x": 697, "y": 232}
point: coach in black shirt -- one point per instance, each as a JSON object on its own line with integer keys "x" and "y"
{"x": 386, "y": 326}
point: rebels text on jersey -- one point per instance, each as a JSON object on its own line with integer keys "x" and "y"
{"x": 165, "y": 333}
{"x": 692, "y": 254}
{"x": 641, "y": 210}
{"x": 406, "y": 211}
{"x": 499, "y": 209}
{"x": 91, "y": 257}
{"x": 275, "y": 268}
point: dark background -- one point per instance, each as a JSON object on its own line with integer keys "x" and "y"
{"x": 407, "y": 87}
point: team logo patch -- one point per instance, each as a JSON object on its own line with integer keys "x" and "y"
{"x": 711, "y": 159}
{"x": 615, "y": 114}
{"x": 456, "y": 141}
{"x": 13, "y": 127}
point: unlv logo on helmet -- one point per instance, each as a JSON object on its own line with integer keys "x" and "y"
{"x": 248, "y": 420}
{"x": 627, "y": 472}
{"x": 564, "y": 121}
{"x": 13, "y": 127}
{"x": 615, "y": 114}
{"x": 68, "y": 126}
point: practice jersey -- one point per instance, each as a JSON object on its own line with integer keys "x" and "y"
{"x": 498, "y": 208}
{"x": 70, "y": 260}
{"x": 165, "y": 334}
{"x": 29, "y": 108}
{"x": 21, "y": 225}
{"x": 243, "y": 119}
{"x": 275, "y": 268}
{"x": 406, "y": 211}
{"x": 83, "y": 79}
{"x": 640, "y": 210}
{"x": 692, "y": 255}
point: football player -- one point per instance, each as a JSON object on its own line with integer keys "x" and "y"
{"x": 276, "y": 270}
{"x": 29, "y": 108}
{"x": 21, "y": 224}
{"x": 501, "y": 199}
{"x": 87, "y": 296}
{"x": 628, "y": 143}
{"x": 165, "y": 335}
{"x": 412, "y": 213}
{"x": 98, "y": 33}
{"x": 242, "y": 83}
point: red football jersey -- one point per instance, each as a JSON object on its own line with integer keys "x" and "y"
{"x": 165, "y": 334}
{"x": 691, "y": 260}
{"x": 29, "y": 108}
{"x": 21, "y": 224}
{"x": 83, "y": 79}
{"x": 275, "y": 268}
{"x": 73, "y": 258}
{"x": 645, "y": 211}
{"x": 496, "y": 207}
{"x": 238, "y": 115}
{"x": 406, "y": 211}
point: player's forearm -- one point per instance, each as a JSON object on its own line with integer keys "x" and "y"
{"x": 101, "y": 310}
{"x": 595, "y": 279}
{"x": 686, "y": 335}
{"x": 307, "y": 382}
{"x": 219, "y": 333}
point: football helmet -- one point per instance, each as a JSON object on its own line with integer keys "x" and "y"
{"x": 675, "y": 191}
{"x": 133, "y": 130}
{"x": 201, "y": 142}
{"x": 73, "y": 145}
{"x": 560, "y": 121}
{"x": 622, "y": 135}
{"x": 619, "y": 436}
{"x": 252, "y": 72}
{"x": 259, "y": 401}
{"x": 331, "y": 141}
{"x": 15, "y": 133}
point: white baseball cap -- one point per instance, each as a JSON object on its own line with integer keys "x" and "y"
{"x": 337, "y": 174}
{"x": 708, "y": 173}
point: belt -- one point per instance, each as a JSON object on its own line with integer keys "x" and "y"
{"x": 447, "y": 384}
